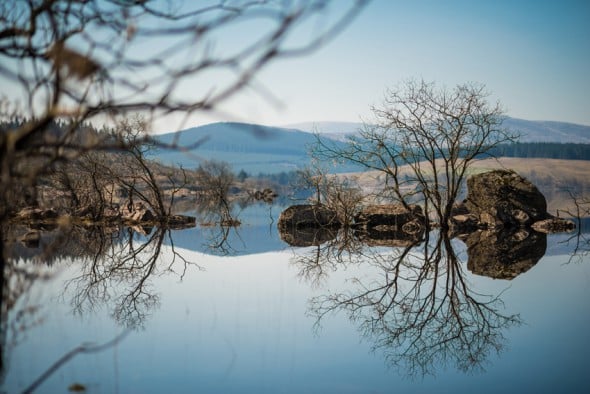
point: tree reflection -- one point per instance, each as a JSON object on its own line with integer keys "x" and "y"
{"x": 217, "y": 214}
{"x": 120, "y": 273}
{"x": 329, "y": 250}
{"x": 116, "y": 268}
{"x": 420, "y": 312}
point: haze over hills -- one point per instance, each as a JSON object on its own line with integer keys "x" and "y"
{"x": 530, "y": 130}
{"x": 248, "y": 147}
{"x": 263, "y": 149}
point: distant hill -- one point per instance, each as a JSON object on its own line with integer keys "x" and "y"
{"x": 530, "y": 130}
{"x": 253, "y": 148}
{"x": 263, "y": 149}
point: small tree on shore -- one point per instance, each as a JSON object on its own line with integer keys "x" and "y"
{"x": 423, "y": 140}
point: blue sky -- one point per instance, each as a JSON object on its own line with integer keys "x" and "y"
{"x": 534, "y": 56}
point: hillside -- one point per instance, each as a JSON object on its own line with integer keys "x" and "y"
{"x": 262, "y": 149}
{"x": 530, "y": 130}
{"x": 253, "y": 148}
{"x": 553, "y": 177}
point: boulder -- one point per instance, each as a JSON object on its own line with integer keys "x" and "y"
{"x": 502, "y": 198}
{"x": 266, "y": 195}
{"x": 463, "y": 224}
{"x": 394, "y": 216}
{"x": 179, "y": 222}
{"x": 34, "y": 214}
{"x": 31, "y": 239}
{"x": 307, "y": 216}
{"x": 554, "y": 225}
{"x": 390, "y": 225}
{"x": 140, "y": 213}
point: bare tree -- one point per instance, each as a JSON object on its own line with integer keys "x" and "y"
{"x": 423, "y": 140}
{"x": 339, "y": 193}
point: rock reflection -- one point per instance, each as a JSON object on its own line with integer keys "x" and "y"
{"x": 308, "y": 236}
{"x": 419, "y": 311}
{"x": 504, "y": 254}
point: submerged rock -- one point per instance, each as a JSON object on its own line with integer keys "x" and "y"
{"x": 139, "y": 213}
{"x": 34, "y": 214}
{"x": 395, "y": 216}
{"x": 307, "y": 216}
{"x": 390, "y": 225}
{"x": 31, "y": 239}
{"x": 554, "y": 225}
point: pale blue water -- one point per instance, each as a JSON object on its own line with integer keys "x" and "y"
{"x": 245, "y": 324}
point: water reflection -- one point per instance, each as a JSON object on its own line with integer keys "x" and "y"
{"x": 119, "y": 275}
{"x": 116, "y": 267}
{"x": 504, "y": 254}
{"x": 220, "y": 217}
{"x": 419, "y": 311}
{"x": 415, "y": 302}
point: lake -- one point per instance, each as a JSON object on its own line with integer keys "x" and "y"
{"x": 237, "y": 310}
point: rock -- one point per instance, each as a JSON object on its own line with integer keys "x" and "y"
{"x": 504, "y": 254}
{"x": 36, "y": 214}
{"x": 297, "y": 217}
{"x": 179, "y": 222}
{"x": 266, "y": 195}
{"x": 31, "y": 239}
{"x": 230, "y": 222}
{"x": 459, "y": 209}
{"x": 83, "y": 212}
{"x": 390, "y": 225}
{"x": 143, "y": 215}
{"x": 502, "y": 198}
{"x": 140, "y": 213}
{"x": 394, "y": 215}
{"x": 554, "y": 225}
{"x": 49, "y": 214}
{"x": 463, "y": 224}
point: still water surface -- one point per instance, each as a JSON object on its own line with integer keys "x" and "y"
{"x": 273, "y": 319}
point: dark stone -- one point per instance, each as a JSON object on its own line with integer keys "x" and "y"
{"x": 463, "y": 224}
{"x": 31, "y": 239}
{"x": 307, "y": 216}
{"x": 393, "y": 215}
{"x": 179, "y": 222}
{"x": 266, "y": 195}
{"x": 554, "y": 225}
{"x": 390, "y": 225}
{"x": 36, "y": 214}
{"x": 502, "y": 198}
{"x": 504, "y": 254}
{"x": 139, "y": 213}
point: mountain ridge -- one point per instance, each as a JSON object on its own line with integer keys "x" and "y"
{"x": 270, "y": 149}
{"x": 531, "y": 130}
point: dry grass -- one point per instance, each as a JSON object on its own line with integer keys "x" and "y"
{"x": 553, "y": 177}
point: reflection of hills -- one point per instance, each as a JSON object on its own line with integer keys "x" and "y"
{"x": 257, "y": 233}
{"x": 504, "y": 254}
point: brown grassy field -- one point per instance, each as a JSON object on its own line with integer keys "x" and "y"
{"x": 553, "y": 177}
